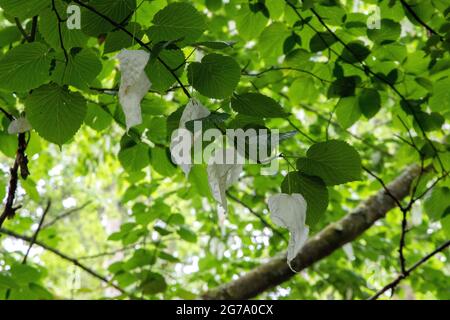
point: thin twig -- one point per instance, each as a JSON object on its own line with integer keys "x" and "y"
{"x": 66, "y": 214}
{"x": 36, "y": 233}
{"x": 61, "y": 40}
{"x": 392, "y": 285}
{"x": 21, "y": 29}
{"x": 256, "y": 214}
{"x": 419, "y": 20}
{"x": 69, "y": 259}
{"x": 139, "y": 41}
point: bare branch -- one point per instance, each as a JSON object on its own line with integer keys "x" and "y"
{"x": 392, "y": 285}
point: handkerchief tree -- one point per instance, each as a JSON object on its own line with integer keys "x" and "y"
{"x": 94, "y": 95}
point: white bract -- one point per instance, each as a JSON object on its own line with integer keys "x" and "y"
{"x": 221, "y": 176}
{"x": 289, "y": 211}
{"x": 194, "y": 110}
{"x": 134, "y": 84}
{"x": 348, "y": 250}
{"x": 19, "y": 125}
{"x": 416, "y": 215}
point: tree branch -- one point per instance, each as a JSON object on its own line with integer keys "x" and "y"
{"x": 419, "y": 20}
{"x": 276, "y": 271}
{"x": 69, "y": 259}
{"x": 21, "y": 162}
{"x": 139, "y": 41}
{"x": 392, "y": 285}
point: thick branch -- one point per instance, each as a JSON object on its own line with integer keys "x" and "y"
{"x": 276, "y": 271}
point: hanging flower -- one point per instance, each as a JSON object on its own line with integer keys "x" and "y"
{"x": 194, "y": 110}
{"x": 221, "y": 175}
{"x": 348, "y": 250}
{"x": 19, "y": 125}
{"x": 134, "y": 84}
{"x": 289, "y": 211}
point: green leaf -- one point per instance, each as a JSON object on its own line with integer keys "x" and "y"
{"x": 178, "y": 20}
{"x": 388, "y": 32}
{"x": 80, "y": 71}
{"x": 159, "y": 76}
{"x": 313, "y": 189}
{"x": 55, "y": 112}
{"x": 153, "y": 283}
{"x": 216, "y": 76}
{"x": 347, "y": 112}
{"x": 9, "y": 35}
{"x": 440, "y": 100}
{"x": 117, "y": 10}
{"x": 187, "y": 235}
{"x": 354, "y": 52}
{"x": 343, "y": 87}
{"x": 118, "y": 40}
{"x": 48, "y": 28}
{"x": 23, "y": 9}
{"x": 335, "y": 162}
{"x": 257, "y": 105}
{"x": 369, "y": 101}
{"x": 134, "y": 157}
{"x": 437, "y": 203}
{"x": 321, "y": 41}
{"x": 271, "y": 42}
{"x": 250, "y": 24}
{"x": 25, "y": 67}
{"x": 161, "y": 162}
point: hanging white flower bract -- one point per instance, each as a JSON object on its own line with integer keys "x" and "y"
{"x": 221, "y": 175}
{"x": 134, "y": 84}
{"x": 194, "y": 110}
{"x": 289, "y": 211}
{"x": 19, "y": 125}
{"x": 348, "y": 250}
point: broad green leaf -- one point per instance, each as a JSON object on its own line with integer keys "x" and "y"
{"x": 347, "y": 112}
{"x": 440, "y": 100}
{"x": 118, "y": 40}
{"x": 160, "y": 161}
{"x": 313, "y": 189}
{"x": 9, "y": 35}
{"x": 250, "y": 24}
{"x": 216, "y": 76}
{"x": 257, "y": 105}
{"x": 355, "y": 52}
{"x": 55, "y": 112}
{"x": 177, "y": 21}
{"x": 48, "y": 28}
{"x": 158, "y": 74}
{"x": 25, "y": 67}
{"x": 117, "y": 10}
{"x": 24, "y": 9}
{"x": 437, "y": 203}
{"x": 153, "y": 283}
{"x": 187, "y": 234}
{"x": 343, "y": 87}
{"x": 134, "y": 157}
{"x": 321, "y": 41}
{"x": 388, "y": 32}
{"x": 271, "y": 42}
{"x": 369, "y": 102}
{"x": 80, "y": 71}
{"x": 335, "y": 162}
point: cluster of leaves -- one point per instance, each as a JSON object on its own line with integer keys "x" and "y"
{"x": 309, "y": 66}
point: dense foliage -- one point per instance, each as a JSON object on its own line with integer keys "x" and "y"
{"x": 359, "y": 90}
